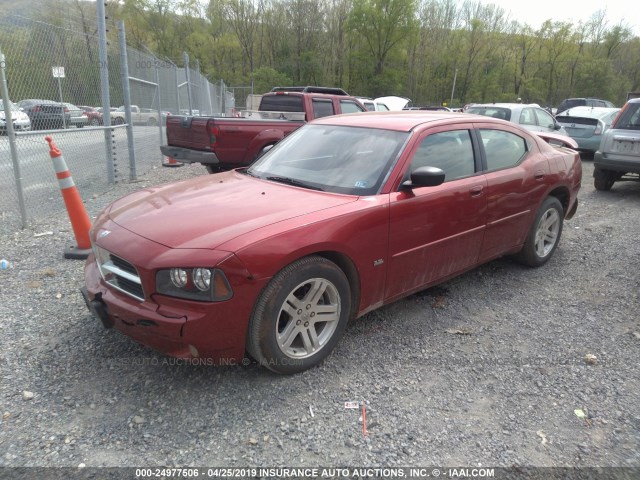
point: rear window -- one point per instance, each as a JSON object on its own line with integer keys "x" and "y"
{"x": 281, "y": 103}
{"x": 570, "y": 103}
{"x": 629, "y": 118}
{"x": 495, "y": 112}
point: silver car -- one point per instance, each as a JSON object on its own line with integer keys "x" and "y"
{"x": 529, "y": 116}
{"x": 618, "y": 157}
{"x": 587, "y": 124}
{"x": 75, "y": 116}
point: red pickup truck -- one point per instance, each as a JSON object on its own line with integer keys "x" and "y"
{"x": 223, "y": 143}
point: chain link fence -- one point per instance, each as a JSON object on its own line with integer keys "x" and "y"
{"x": 53, "y": 80}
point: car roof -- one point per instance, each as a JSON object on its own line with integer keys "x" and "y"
{"x": 504, "y": 105}
{"x": 588, "y": 112}
{"x": 400, "y": 120}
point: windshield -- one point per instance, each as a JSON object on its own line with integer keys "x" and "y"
{"x": 339, "y": 159}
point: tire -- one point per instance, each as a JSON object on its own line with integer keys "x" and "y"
{"x": 544, "y": 234}
{"x": 285, "y": 334}
{"x": 603, "y": 180}
{"x": 118, "y": 121}
{"x": 94, "y": 122}
{"x": 152, "y": 122}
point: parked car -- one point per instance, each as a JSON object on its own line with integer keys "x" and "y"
{"x": 582, "y": 102}
{"x": 94, "y": 117}
{"x": 373, "y": 105}
{"x": 20, "y": 119}
{"x": 346, "y": 214}
{"x": 529, "y": 116}
{"x": 587, "y": 124}
{"x": 111, "y": 109}
{"x": 436, "y": 108}
{"x": 75, "y": 116}
{"x": 618, "y": 157}
{"x": 394, "y": 102}
{"x": 45, "y": 114}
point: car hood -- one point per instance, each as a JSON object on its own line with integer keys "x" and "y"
{"x": 15, "y": 115}
{"x": 209, "y": 210}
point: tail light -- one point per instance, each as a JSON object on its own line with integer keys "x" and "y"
{"x": 599, "y": 129}
{"x": 66, "y": 110}
{"x": 213, "y": 134}
{"x": 36, "y": 108}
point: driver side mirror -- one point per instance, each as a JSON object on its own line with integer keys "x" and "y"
{"x": 425, "y": 177}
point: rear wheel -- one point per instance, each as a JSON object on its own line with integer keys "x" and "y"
{"x": 152, "y": 122}
{"x": 94, "y": 122}
{"x": 603, "y": 180}
{"x": 300, "y": 316}
{"x": 544, "y": 235}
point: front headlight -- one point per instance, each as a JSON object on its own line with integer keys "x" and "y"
{"x": 202, "y": 284}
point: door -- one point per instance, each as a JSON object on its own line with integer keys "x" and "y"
{"x": 436, "y": 232}
{"x": 515, "y": 184}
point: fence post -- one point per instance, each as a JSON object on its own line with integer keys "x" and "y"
{"x": 104, "y": 88}
{"x": 4, "y": 92}
{"x": 185, "y": 56}
{"x": 124, "y": 73}
{"x": 159, "y": 109}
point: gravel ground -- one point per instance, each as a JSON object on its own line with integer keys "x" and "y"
{"x": 492, "y": 368}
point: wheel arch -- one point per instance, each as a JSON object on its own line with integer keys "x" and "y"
{"x": 348, "y": 267}
{"x": 562, "y": 193}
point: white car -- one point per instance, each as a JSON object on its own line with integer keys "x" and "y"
{"x": 373, "y": 105}
{"x": 21, "y": 121}
{"x": 530, "y": 116}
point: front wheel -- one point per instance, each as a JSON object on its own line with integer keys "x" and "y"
{"x": 544, "y": 235}
{"x": 300, "y": 316}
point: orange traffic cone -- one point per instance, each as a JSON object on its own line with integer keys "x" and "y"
{"x": 80, "y": 221}
{"x": 171, "y": 162}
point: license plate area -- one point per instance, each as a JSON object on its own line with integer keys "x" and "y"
{"x": 626, "y": 146}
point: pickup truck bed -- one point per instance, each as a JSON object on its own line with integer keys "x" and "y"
{"x": 223, "y": 143}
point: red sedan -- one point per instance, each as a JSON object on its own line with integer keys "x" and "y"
{"x": 345, "y": 215}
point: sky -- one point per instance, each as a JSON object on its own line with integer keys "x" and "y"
{"x": 536, "y": 12}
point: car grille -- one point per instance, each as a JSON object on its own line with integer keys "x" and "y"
{"x": 119, "y": 273}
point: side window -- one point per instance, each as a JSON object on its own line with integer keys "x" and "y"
{"x": 450, "y": 151}
{"x": 544, "y": 119}
{"x": 348, "y": 106}
{"x": 502, "y": 149}
{"x": 527, "y": 117}
{"x": 382, "y": 107}
{"x": 322, "y": 108}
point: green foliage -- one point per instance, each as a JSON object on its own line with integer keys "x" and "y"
{"x": 265, "y": 78}
{"x": 427, "y": 50}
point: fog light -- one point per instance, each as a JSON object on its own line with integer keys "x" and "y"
{"x": 178, "y": 277}
{"x": 202, "y": 278}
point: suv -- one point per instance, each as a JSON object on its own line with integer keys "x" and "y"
{"x": 582, "y": 102}
{"x": 619, "y": 152}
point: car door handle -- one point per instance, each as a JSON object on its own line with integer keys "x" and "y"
{"x": 476, "y": 191}
{"x": 539, "y": 175}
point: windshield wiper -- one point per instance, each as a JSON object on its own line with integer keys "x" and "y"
{"x": 294, "y": 182}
